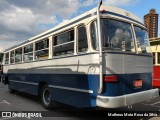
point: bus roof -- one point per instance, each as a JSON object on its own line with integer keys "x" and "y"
{"x": 110, "y": 10}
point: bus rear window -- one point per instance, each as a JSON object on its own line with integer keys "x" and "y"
{"x": 142, "y": 39}
{"x": 116, "y": 36}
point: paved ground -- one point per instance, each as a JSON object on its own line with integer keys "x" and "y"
{"x": 21, "y": 102}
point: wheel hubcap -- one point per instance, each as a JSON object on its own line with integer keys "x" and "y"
{"x": 46, "y": 96}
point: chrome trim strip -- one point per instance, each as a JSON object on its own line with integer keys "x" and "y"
{"x": 72, "y": 89}
{"x": 125, "y": 100}
{"x": 24, "y": 82}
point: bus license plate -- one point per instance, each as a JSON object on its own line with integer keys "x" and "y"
{"x": 137, "y": 83}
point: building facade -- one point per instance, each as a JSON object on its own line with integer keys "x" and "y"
{"x": 151, "y": 22}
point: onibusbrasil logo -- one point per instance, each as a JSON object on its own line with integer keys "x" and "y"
{"x": 21, "y": 114}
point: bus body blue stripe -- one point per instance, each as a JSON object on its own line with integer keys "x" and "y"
{"x": 83, "y": 82}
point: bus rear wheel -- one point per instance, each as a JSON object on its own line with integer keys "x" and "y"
{"x": 46, "y": 97}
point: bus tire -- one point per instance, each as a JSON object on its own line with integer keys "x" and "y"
{"x": 10, "y": 89}
{"x": 46, "y": 97}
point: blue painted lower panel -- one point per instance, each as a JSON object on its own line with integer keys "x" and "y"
{"x": 125, "y": 84}
{"x": 27, "y": 88}
{"x": 80, "y": 81}
{"x": 77, "y": 99}
{"x": 70, "y": 97}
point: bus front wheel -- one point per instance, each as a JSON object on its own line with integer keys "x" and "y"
{"x": 46, "y": 97}
{"x": 10, "y": 89}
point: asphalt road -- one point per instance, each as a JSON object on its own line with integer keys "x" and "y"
{"x": 21, "y": 103}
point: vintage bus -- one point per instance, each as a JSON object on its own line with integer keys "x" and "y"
{"x": 156, "y": 65}
{"x": 96, "y": 59}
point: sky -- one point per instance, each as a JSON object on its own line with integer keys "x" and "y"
{"x": 23, "y": 19}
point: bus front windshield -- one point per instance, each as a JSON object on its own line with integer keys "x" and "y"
{"x": 118, "y": 36}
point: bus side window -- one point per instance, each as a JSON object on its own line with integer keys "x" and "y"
{"x": 1, "y": 57}
{"x": 158, "y": 60}
{"x": 18, "y": 55}
{"x": 12, "y": 57}
{"x": 154, "y": 58}
{"x": 28, "y": 53}
{"x": 42, "y": 49}
{"x": 7, "y": 58}
{"x": 82, "y": 39}
{"x": 63, "y": 44}
{"x": 94, "y": 35}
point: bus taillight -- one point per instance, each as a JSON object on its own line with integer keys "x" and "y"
{"x": 111, "y": 78}
{"x": 103, "y": 11}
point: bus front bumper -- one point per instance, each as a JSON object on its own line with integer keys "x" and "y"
{"x": 125, "y": 100}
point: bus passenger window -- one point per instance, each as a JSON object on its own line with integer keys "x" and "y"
{"x": 158, "y": 55}
{"x": 82, "y": 39}
{"x": 94, "y": 35}
{"x": 18, "y": 55}
{"x": 12, "y": 57}
{"x": 28, "y": 53}
{"x": 153, "y": 58}
{"x": 7, "y": 58}
{"x": 1, "y": 57}
{"x": 63, "y": 44}
{"x": 42, "y": 49}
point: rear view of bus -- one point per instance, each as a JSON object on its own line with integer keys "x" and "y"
{"x": 126, "y": 57}
{"x": 100, "y": 58}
